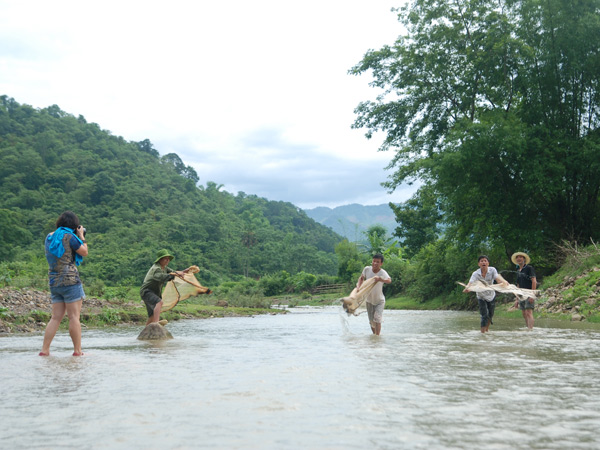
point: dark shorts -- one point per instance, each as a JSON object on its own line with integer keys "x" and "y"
{"x": 150, "y": 300}
{"x": 486, "y": 309}
{"x": 526, "y": 304}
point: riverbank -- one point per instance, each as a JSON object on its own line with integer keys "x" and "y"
{"x": 29, "y": 310}
{"x": 574, "y": 297}
{"x": 566, "y": 297}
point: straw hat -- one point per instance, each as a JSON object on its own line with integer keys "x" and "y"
{"x": 161, "y": 254}
{"x": 513, "y": 258}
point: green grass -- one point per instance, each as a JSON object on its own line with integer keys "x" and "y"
{"x": 439, "y": 303}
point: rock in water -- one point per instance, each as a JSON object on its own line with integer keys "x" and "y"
{"x": 154, "y": 332}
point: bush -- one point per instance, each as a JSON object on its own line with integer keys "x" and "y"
{"x": 118, "y": 293}
{"x": 275, "y": 284}
{"x": 395, "y": 268}
{"x": 247, "y": 294}
{"x": 303, "y": 281}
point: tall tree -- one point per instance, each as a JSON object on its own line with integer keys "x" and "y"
{"x": 494, "y": 106}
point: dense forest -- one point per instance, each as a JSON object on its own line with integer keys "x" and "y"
{"x": 494, "y": 108}
{"x": 133, "y": 201}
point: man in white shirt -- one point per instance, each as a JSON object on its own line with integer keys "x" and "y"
{"x": 376, "y": 300}
{"x": 486, "y": 299}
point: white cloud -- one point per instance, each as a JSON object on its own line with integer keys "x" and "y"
{"x": 253, "y": 95}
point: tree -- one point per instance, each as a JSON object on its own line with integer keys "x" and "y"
{"x": 12, "y": 233}
{"x": 173, "y": 159}
{"x": 147, "y": 147}
{"x": 494, "y": 106}
{"x": 418, "y": 220}
{"x": 349, "y": 262}
{"x": 378, "y": 240}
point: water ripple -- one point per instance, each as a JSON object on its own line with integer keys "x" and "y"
{"x": 313, "y": 378}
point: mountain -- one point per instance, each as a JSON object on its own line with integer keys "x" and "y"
{"x": 351, "y": 221}
{"x": 133, "y": 202}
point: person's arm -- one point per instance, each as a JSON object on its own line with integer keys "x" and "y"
{"x": 360, "y": 282}
{"x": 163, "y": 276}
{"x": 501, "y": 280}
{"x": 83, "y": 248}
{"x": 471, "y": 280}
{"x": 384, "y": 280}
{"x": 533, "y": 287}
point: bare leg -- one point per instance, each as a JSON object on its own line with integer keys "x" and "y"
{"x": 377, "y": 329}
{"x": 58, "y": 312}
{"x": 73, "y": 312}
{"x": 528, "y": 316}
{"x": 156, "y": 316}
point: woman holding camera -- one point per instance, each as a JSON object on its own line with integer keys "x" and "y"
{"x": 65, "y": 249}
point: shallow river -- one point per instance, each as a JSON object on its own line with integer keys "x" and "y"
{"x": 311, "y": 379}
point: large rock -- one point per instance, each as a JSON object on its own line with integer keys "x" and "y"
{"x": 154, "y": 332}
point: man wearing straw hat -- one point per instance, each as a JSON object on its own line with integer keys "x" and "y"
{"x": 525, "y": 279}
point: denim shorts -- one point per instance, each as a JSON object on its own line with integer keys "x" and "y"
{"x": 67, "y": 294}
{"x": 526, "y": 304}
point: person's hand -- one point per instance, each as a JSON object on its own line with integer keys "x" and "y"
{"x": 79, "y": 232}
{"x": 531, "y": 300}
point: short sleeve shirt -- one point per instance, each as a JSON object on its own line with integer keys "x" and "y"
{"x": 63, "y": 271}
{"x": 524, "y": 277}
{"x": 489, "y": 278}
{"x": 376, "y": 296}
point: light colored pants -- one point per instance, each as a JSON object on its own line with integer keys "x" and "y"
{"x": 375, "y": 313}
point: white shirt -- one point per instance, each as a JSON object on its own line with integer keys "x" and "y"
{"x": 490, "y": 276}
{"x": 376, "y": 296}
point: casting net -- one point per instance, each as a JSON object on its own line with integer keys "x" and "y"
{"x": 357, "y": 298}
{"x": 182, "y": 288}
{"x": 480, "y": 286}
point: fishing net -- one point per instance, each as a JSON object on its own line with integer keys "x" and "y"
{"x": 356, "y": 298}
{"x": 480, "y": 286}
{"x": 182, "y": 288}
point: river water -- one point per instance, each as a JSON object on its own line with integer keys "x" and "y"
{"x": 311, "y": 379}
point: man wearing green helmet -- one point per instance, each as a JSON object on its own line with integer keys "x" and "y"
{"x": 157, "y": 276}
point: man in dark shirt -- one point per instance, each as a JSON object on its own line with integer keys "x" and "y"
{"x": 525, "y": 279}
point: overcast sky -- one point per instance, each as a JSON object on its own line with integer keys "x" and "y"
{"x": 253, "y": 94}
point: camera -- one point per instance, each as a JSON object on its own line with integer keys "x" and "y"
{"x": 84, "y": 231}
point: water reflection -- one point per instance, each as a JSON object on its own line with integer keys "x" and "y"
{"x": 313, "y": 378}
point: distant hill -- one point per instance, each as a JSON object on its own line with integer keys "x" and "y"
{"x": 351, "y": 221}
{"x": 133, "y": 201}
